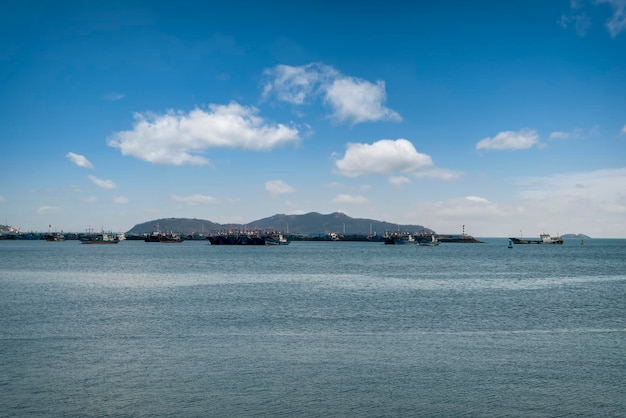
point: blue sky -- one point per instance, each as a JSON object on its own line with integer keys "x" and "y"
{"x": 503, "y": 116}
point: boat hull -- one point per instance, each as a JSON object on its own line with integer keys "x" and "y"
{"x": 545, "y": 240}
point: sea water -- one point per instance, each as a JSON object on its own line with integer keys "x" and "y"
{"x": 312, "y": 329}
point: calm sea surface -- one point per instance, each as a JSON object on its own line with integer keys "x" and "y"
{"x": 312, "y": 329}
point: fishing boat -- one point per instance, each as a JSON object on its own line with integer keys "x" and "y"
{"x": 275, "y": 239}
{"x": 99, "y": 239}
{"x": 163, "y": 238}
{"x": 397, "y": 238}
{"x": 543, "y": 239}
{"x": 54, "y": 237}
{"x": 425, "y": 242}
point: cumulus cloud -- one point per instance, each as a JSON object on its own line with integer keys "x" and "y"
{"x": 352, "y": 100}
{"x": 104, "y": 184}
{"x": 278, "y": 187}
{"x": 195, "y": 199}
{"x": 510, "y": 140}
{"x": 387, "y": 157}
{"x": 356, "y": 101}
{"x": 176, "y": 138}
{"x": 350, "y": 199}
{"x": 79, "y": 160}
{"x": 120, "y": 200}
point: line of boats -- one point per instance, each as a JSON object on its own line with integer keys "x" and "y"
{"x": 274, "y": 238}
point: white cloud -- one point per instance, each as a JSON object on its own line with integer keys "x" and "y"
{"x": 45, "y": 210}
{"x": 624, "y": 130}
{"x": 356, "y": 101}
{"x": 350, "y": 199}
{"x": 2, "y": 199}
{"x": 476, "y": 199}
{"x": 120, "y": 200}
{"x": 104, "y": 184}
{"x": 79, "y": 160}
{"x": 510, "y": 140}
{"x": 297, "y": 85}
{"x": 196, "y": 199}
{"x": 351, "y": 99}
{"x": 278, "y": 187}
{"x": 176, "y": 138}
{"x": 387, "y": 157}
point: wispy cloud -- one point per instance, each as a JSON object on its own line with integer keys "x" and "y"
{"x": 278, "y": 187}
{"x": 559, "y": 135}
{"x": 350, "y": 199}
{"x": 617, "y": 22}
{"x": 104, "y": 184}
{"x": 120, "y": 200}
{"x": 388, "y": 157}
{"x": 3, "y": 199}
{"x": 46, "y": 210}
{"x": 580, "y": 20}
{"x": 623, "y": 130}
{"x": 176, "y": 138}
{"x": 114, "y": 96}
{"x": 195, "y": 199}
{"x": 476, "y": 199}
{"x": 399, "y": 180}
{"x": 510, "y": 140}
{"x": 79, "y": 160}
{"x": 352, "y": 100}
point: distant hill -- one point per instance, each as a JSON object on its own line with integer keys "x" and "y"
{"x": 307, "y": 224}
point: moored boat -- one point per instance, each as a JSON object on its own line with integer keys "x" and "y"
{"x": 163, "y": 238}
{"x": 543, "y": 239}
{"x": 99, "y": 239}
{"x": 425, "y": 242}
{"x": 275, "y": 239}
{"x": 54, "y": 237}
{"x": 399, "y": 239}
{"x": 248, "y": 239}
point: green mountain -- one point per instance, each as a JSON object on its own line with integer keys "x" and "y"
{"x": 308, "y": 224}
